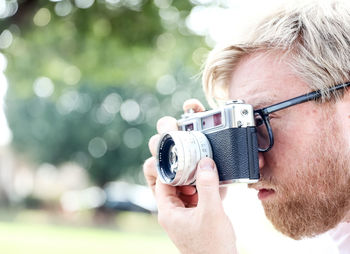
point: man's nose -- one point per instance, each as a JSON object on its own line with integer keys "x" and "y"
{"x": 261, "y": 161}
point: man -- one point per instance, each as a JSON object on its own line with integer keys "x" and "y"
{"x": 305, "y": 176}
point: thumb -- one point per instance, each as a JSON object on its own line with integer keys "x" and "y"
{"x": 208, "y": 185}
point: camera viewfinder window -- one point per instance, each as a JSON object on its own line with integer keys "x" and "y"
{"x": 211, "y": 121}
{"x": 189, "y": 127}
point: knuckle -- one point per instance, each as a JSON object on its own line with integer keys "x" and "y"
{"x": 152, "y": 140}
{"x": 166, "y": 123}
{"x": 194, "y": 104}
{"x": 149, "y": 166}
{"x": 164, "y": 119}
{"x": 191, "y": 102}
{"x": 152, "y": 143}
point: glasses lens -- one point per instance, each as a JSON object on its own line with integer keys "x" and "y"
{"x": 262, "y": 133}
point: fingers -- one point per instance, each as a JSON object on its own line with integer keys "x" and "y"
{"x": 166, "y": 124}
{"x": 182, "y": 196}
{"x": 208, "y": 185}
{"x": 166, "y": 196}
{"x": 187, "y": 190}
{"x": 188, "y": 195}
{"x": 150, "y": 172}
{"x": 177, "y": 196}
{"x": 189, "y": 200}
{"x": 153, "y": 143}
{"x": 194, "y": 104}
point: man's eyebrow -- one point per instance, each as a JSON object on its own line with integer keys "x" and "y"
{"x": 264, "y": 102}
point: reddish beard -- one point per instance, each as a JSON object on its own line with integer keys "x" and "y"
{"x": 311, "y": 206}
{"x": 317, "y": 197}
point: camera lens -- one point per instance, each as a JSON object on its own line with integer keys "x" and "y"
{"x": 166, "y": 158}
{"x": 178, "y": 154}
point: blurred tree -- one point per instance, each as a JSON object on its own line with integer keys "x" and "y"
{"x": 88, "y": 79}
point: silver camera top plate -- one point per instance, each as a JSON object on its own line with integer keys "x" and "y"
{"x": 235, "y": 114}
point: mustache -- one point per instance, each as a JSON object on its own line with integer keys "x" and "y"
{"x": 264, "y": 183}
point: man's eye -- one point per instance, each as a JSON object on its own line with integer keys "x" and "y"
{"x": 258, "y": 121}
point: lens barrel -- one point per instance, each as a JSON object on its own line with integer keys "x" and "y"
{"x": 178, "y": 154}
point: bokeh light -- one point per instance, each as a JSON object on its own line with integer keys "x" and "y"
{"x": 46, "y": 181}
{"x": 8, "y": 8}
{"x": 42, "y": 17}
{"x": 112, "y": 103}
{"x": 103, "y": 116}
{"x": 5, "y": 134}
{"x": 24, "y": 182}
{"x": 84, "y": 4}
{"x": 3, "y": 63}
{"x": 133, "y": 138}
{"x": 163, "y": 4}
{"x": 130, "y": 110}
{"x": 97, "y": 147}
{"x": 6, "y": 39}
{"x": 170, "y": 17}
{"x": 68, "y": 102}
{"x": 63, "y": 8}
{"x": 71, "y": 75}
{"x": 166, "y": 84}
{"x": 76, "y": 200}
{"x": 43, "y": 87}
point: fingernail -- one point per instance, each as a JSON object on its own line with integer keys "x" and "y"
{"x": 189, "y": 111}
{"x": 206, "y": 164}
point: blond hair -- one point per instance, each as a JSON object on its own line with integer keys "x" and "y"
{"x": 314, "y": 37}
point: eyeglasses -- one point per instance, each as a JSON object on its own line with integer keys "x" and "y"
{"x": 262, "y": 119}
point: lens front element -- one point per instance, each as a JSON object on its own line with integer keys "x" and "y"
{"x": 178, "y": 154}
{"x": 173, "y": 159}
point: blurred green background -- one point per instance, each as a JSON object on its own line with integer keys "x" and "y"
{"x": 88, "y": 80}
{"x": 83, "y": 83}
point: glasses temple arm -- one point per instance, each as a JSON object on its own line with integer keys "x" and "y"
{"x": 300, "y": 99}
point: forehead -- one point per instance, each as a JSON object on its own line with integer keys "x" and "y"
{"x": 262, "y": 79}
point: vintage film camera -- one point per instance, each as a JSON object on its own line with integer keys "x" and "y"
{"x": 227, "y": 135}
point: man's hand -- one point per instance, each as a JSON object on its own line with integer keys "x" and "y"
{"x": 193, "y": 217}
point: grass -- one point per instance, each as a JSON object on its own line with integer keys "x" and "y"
{"x": 143, "y": 236}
